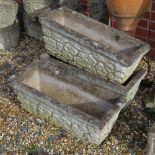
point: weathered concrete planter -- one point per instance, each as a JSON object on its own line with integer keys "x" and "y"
{"x": 93, "y": 46}
{"x": 31, "y": 6}
{"x": 8, "y": 12}
{"x": 80, "y": 102}
{"x": 32, "y": 26}
{"x": 9, "y": 37}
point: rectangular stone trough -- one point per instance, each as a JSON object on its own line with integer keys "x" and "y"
{"x": 91, "y": 45}
{"x": 151, "y": 140}
{"x": 82, "y": 103}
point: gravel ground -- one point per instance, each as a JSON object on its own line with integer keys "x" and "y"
{"x": 20, "y": 131}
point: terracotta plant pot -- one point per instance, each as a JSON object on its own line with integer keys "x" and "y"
{"x": 127, "y": 13}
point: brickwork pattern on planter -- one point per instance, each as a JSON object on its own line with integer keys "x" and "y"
{"x": 142, "y": 30}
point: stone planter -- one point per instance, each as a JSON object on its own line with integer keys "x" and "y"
{"x": 9, "y": 37}
{"x": 31, "y": 6}
{"x": 90, "y": 45}
{"x": 32, "y": 26}
{"x": 82, "y": 103}
{"x": 8, "y": 12}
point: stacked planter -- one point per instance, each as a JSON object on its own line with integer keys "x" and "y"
{"x": 106, "y": 52}
{"x": 85, "y": 104}
{"x": 9, "y": 26}
{"x": 30, "y": 16}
